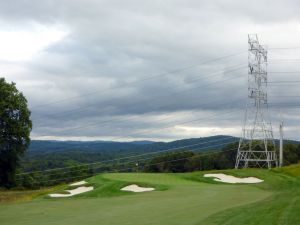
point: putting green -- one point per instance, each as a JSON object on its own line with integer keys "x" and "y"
{"x": 179, "y": 199}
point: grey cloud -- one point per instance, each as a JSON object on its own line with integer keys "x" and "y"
{"x": 113, "y": 43}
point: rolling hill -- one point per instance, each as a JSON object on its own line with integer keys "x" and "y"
{"x": 53, "y": 154}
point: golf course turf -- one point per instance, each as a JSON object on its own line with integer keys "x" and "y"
{"x": 184, "y": 199}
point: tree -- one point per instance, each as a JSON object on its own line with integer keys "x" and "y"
{"x": 173, "y": 162}
{"x": 15, "y": 127}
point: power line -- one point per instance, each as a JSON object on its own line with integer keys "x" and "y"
{"x": 284, "y": 48}
{"x": 271, "y": 60}
{"x": 203, "y": 154}
{"x": 285, "y": 104}
{"x": 285, "y": 81}
{"x": 113, "y": 119}
{"x": 168, "y": 73}
{"x": 141, "y": 160}
{"x": 134, "y": 117}
{"x": 171, "y": 93}
{"x": 137, "y": 81}
{"x": 286, "y": 96}
{"x": 94, "y": 124}
{"x": 126, "y": 169}
{"x": 97, "y": 123}
{"x": 183, "y": 122}
{"x": 171, "y": 125}
{"x": 283, "y": 84}
{"x": 134, "y": 156}
{"x": 284, "y": 72}
{"x": 283, "y": 62}
{"x": 295, "y": 82}
{"x": 217, "y": 73}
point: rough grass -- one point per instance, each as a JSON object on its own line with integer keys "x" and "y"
{"x": 293, "y": 170}
{"x": 11, "y": 196}
{"x": 185, "y": 199}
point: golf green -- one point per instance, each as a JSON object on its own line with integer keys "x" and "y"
{"x": 178, "y": 199}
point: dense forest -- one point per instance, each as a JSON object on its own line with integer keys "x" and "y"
{"x": 225, "y": 159}
{"x": 43, "y": 155}
{"x": 41, "y": 166}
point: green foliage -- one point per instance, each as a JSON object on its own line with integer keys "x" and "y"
{"x": 15, "y": 127}
{"x": 225, "y": 159}
{"x": 291, "y": 153}
{"x": 44, "y": 155}
{"x": 173, "y": 162}
{"x": 170, "y": 162}
{"x": 54, "y": 177}
{"x": 49, "y": 155}
{"x": 191, "y": 161}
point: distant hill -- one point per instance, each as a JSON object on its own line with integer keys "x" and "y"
{"x": 200, "y": 144}
{"x": 52, "y": 154}
{"x": 94, "y": 146}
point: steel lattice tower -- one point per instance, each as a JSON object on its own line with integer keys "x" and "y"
{"x": 256, "y": 147}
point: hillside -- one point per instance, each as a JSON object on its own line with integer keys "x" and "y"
{"x": 53, "y": 154}
{"x": 44, "y": 155}
{"x": 179, "y": 199}
{"x": 94, "y": 146}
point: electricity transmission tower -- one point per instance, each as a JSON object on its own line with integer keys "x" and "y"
{"x": 256, "y": 146}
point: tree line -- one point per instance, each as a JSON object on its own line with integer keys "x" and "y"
{"x": 189, "y": 161}
{"x": 172, "y": 162}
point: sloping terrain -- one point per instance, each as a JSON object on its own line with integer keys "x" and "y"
{"x": 282, "y": 207}
{"x": 185, "y": 199}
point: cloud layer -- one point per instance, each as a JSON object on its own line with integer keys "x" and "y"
{"x": 160, "y": 70}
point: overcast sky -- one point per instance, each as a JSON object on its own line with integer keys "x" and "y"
{"x": 155, "y": 70}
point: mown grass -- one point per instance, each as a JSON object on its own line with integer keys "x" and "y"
{"x": 278, "y": 209}
{"x": 281, "y": 208}
{"x": 185, "y": 199}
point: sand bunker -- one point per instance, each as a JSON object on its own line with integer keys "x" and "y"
{"x": 233, "y": 180}
{"x": 136, "y": 188}
{"x": 73, "y": 192}
{"x": 79, "y": 183}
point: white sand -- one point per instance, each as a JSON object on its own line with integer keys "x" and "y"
{"x": 79, "y": 183}
{"x": 231, "y": 179}
{"x": 73, "y": 192}
{"x": 136, "y": 188}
